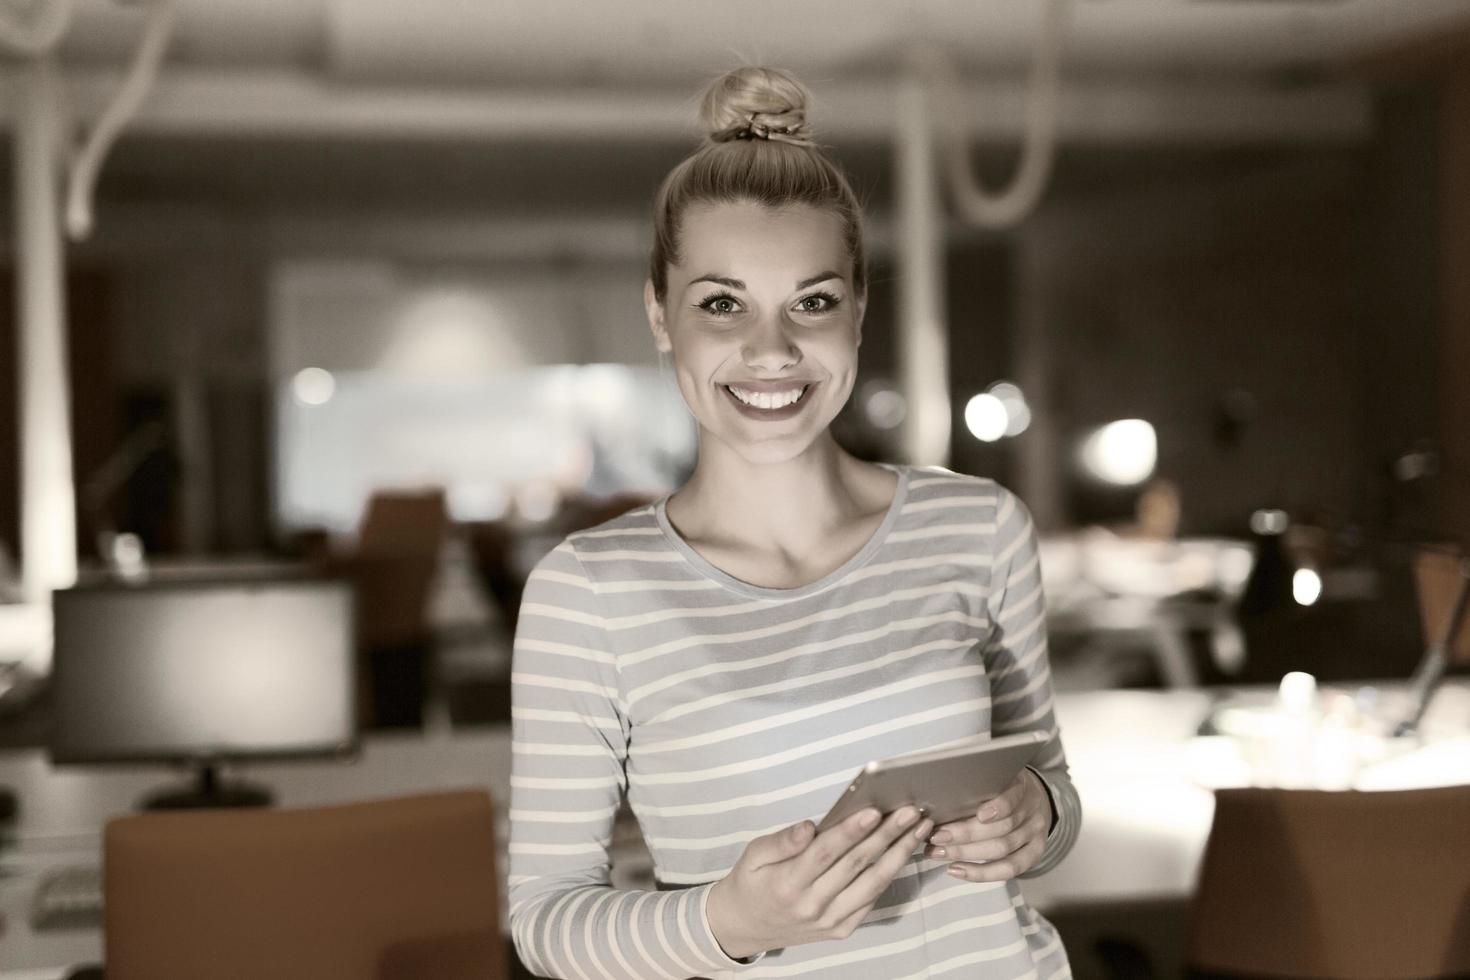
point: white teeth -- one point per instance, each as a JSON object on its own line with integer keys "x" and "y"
{"x": 767, "y": 400}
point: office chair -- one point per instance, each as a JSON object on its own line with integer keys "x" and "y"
{"x": 404, "y": 522}
{"x": 1350, "y": 884}
{"x": 396, "y": 889}
{"x": 392, "y": 568}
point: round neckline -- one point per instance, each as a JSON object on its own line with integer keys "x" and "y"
{"x": 709, "y": 570}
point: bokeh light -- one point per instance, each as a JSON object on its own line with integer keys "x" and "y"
{"x": 1018, "y": 413}
{"x": 986, "y": 417}
{"x": 1306, "y": 586}
{"x": 1122, "y": 452}
{"x": 313, "y": 386}
{"x": 884, "y": 407}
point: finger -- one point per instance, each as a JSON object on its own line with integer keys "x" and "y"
{"x": 978, "y": 828}
{"x": 1006, "y": 803}
{"x": 999, "y": 869}
{"x": 779, "y": 845}
{"x": 865, "y": 889}
{"x": 1016, "y": 863}
{"x": 865, "y": 853}
{"x": 855, "y": 919}
{"x": 969, "y": 830}
{"x": 835, "y": 843}
{"x": 973, "y": 827}
{"x": 992, "y": 848}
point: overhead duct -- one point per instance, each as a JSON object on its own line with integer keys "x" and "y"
{"x": 633, "y": 42}
{"x": 1011, "y": 204}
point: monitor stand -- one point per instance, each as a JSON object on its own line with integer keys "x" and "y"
{"x": 208, "y": 791}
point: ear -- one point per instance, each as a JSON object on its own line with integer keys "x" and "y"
{"x": 655, "y": 311}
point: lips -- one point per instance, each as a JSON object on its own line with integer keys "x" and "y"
{"x": 785, "y": 384}
{"x": 780, "y": 393}
{"x": 768, "y": 414}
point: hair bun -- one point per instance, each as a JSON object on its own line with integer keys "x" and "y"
{"x": 756, "y": 102}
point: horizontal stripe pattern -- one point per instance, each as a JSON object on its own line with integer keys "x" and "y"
{"x": 723, "y": 711}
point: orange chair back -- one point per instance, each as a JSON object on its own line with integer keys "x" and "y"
{"x": 404, "y": 522}
{"x": 386, "y": 890}
{"x": 1309, "y": 883}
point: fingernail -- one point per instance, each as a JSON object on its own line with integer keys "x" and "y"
{"x": 954, "y": 870}
{"x": 923, "y": 828}
{"x": 940, "y": 837}
{"x": 937, "y": 852}
{"x": 868, "y": 819}
{"x": 988, "y": 813}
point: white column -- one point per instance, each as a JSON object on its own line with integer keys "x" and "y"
{"x": 923, "y": 344}
{"x": 47, "y": 493}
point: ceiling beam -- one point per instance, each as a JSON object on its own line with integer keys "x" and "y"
{"x": 290, "y": 104}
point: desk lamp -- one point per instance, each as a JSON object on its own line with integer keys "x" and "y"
{"x": 1442, "y": 580}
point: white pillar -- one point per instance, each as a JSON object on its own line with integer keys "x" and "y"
{"x": 47, "y": 493}
{"x": 923, "y": 343}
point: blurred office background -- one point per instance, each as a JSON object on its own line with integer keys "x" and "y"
{"x": 363, "y": 294}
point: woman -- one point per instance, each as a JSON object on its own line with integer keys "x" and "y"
{"x": 731, "y": 655}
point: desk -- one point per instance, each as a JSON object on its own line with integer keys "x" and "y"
{"x": 1127, "y": 592}
{"x": 1147, "y": 784}
{"x": 1143, "y": 775}
{"x": 63, "y": 811}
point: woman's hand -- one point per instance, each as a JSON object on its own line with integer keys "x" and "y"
{"x": 1007, "y": 834}
{"x": 790, "y": 888}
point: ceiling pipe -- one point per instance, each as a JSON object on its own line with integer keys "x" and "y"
{"x": 86, "y": 164}
{"x": 1008, "y": 206}
{"x": 42, "y": 34}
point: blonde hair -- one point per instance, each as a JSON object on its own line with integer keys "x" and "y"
{"x": 759, "y": 149}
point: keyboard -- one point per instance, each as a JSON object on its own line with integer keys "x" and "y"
{"x": 68, "y": 897}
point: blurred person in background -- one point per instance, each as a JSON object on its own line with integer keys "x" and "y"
{"x": 728, "y": 656}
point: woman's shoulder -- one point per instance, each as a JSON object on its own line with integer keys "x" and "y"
{"x": 621, "y": 519}
{"x": 941, "y": 503}
{"x": 954, "y": 483}
{"x": 632, "y": 527}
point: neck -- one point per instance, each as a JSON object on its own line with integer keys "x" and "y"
{"x": 787, "y": 506}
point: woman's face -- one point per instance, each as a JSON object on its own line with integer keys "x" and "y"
{"x": 762, "y": 301}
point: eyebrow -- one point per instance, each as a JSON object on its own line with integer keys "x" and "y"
{"x": 739, "y": 284}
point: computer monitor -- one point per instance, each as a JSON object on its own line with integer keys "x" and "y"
{"x": 203, "y": 672}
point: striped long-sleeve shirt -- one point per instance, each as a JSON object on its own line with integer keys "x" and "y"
{"x": 725, "y": 711}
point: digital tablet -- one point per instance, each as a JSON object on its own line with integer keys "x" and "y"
{"x": 948, "y": 783}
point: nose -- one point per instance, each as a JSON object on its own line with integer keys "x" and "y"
{"x": 768, "y": 346}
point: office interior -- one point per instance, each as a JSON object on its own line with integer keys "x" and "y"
{"x": 330, "y": 313}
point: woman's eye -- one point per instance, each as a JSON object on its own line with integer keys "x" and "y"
{"x": 817, "y": 303}
{"x": 720, "y": 305}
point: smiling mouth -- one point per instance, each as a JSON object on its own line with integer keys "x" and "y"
{"x": 806, "y": 389}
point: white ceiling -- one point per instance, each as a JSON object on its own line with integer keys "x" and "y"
{"x": 675, "y": 43}
{"x": 394, "y": 102}
{"x": 1134, "y": 71}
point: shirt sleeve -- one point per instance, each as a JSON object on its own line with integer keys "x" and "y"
{"x": 1019, "y": 670}
{"x": 569, "y": 743}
